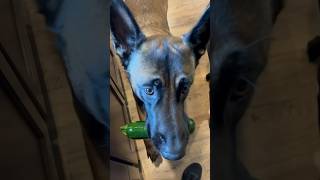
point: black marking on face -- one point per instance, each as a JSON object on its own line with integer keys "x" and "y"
{"x": 148, "y": 130}
{"x": 183, "y": 89}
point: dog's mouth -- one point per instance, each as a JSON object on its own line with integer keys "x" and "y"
{"x": 172, "y": 156}
{"x": 168, "y": 149}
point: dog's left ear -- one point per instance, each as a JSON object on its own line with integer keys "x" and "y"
{"x": 126, "y": 34}
{"x": 199, "y": 35}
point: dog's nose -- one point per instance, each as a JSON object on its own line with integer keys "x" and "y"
{"x": 159, "y": 139}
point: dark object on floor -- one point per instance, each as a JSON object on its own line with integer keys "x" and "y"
{"x": 314, "y": 50}
{"x": 192, "y": 172}
{"x": 208, "y": 77}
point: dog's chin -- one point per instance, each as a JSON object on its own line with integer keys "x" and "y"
{"x": 172, "y": 156}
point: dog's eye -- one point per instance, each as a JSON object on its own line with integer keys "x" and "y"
{"x": 157, "y": 82}
{"x": 184, "y": 89}
{"x": 149, "y": 91}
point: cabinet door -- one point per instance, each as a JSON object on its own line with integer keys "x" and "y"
{"x": 20, "y": 145}
{"x": 26, "y": 149}
{"x": 123, "y": 172}
{"x": 120, "y": 146}
{"x": 119, "y": 171}
{"x": 16, "y": 39}
{"x": 115, "y": 74}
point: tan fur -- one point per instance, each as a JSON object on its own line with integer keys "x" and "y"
{"x": 151, "y": 15}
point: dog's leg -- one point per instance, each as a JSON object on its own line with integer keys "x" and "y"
{"x": 152, "y": 151}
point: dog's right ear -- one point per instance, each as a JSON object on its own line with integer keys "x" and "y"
{"x": 126, "y": 34}
{"x": 199, "y": 35}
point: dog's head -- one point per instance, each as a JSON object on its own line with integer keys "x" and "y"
{"x": 160, "y": 70}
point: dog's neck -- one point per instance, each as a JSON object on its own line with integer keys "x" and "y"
{"x": 151, "y": 16}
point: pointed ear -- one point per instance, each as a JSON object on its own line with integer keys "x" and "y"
{"x": 199, "y": 35}
{"x": 126, "y": 34}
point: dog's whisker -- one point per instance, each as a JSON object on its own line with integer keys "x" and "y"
{"x": 257, "y": 41}
{"x": 252, "y": 84}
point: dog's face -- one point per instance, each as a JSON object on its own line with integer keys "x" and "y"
{"x": 161, "y": 73}
{"x": 160, "y": 70}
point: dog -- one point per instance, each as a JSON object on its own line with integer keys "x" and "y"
{"x": 160, "y": 69}
{"x": 241, "y": 35}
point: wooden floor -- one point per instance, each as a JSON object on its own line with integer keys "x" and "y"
{"x": 278, "y": 137}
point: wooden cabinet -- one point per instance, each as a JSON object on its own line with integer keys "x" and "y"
{"x": 123, "y": 172}
{"x": 26, "y": 137}
{"x": 26, "y": 147}
{"x": 115, "y": 75}
{"x": 124, "y": 163}
{"x": 17, "y": 44}
{"x": 120, "y": 146}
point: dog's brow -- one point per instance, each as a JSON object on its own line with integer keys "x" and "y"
{"x": 179, "y": 78}
{"x": 150, "y": 80}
